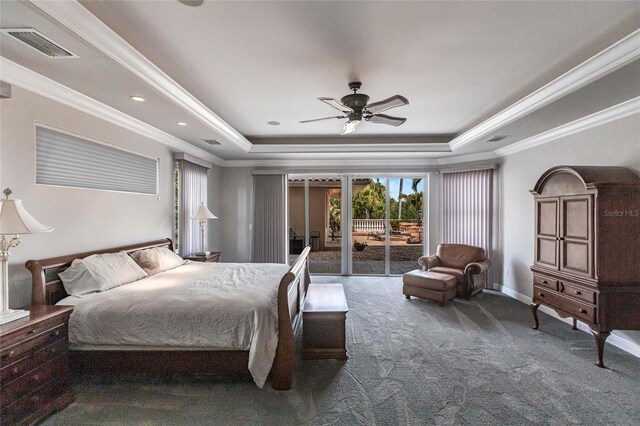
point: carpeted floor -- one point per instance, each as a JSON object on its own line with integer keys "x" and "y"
{"x": 410, "y": 362}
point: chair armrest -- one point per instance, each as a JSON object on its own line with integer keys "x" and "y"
{"x": 428, "y": 262}
{"x": 477, "y": 267}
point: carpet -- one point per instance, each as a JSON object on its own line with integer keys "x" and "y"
{"x": 411, "y": 362}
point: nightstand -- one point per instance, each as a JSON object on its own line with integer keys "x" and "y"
{"x": 34, "y": 366}
{"x": 214, "y": 256}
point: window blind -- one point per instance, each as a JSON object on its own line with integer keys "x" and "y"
{"x": 193, "y": 192}
{"x": 66, "y": 160}
{"x": 269, "y": 229}
{"x": 468, "y": 209}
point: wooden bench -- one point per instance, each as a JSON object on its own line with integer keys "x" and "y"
{"x": 323, "y": 322}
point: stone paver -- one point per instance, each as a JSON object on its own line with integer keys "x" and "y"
{"x": 370, "y": 261}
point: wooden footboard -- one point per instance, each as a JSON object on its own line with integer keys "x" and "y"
{"x": 47, "y": 289}
{"x": 291, "y": 294}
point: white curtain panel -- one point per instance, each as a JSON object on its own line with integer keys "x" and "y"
{"x": 269, "y": 244}
{"x": 467, "y": 209}
{"x": 193, "y": 192}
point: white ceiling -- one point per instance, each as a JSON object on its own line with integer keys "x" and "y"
{"x": 458, "y": 63}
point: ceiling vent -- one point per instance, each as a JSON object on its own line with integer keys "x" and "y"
{"x": 497, "y": 138}
{"x": 212, "y": 141}
{"x": 40, "y": 42}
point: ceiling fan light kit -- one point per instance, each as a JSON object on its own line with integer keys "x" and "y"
{"x": 356, "y": 108}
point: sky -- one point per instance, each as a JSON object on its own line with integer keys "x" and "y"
{"x": 394, "y": 186}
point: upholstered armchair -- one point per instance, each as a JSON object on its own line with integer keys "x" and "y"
{"x": 468, "y": 264}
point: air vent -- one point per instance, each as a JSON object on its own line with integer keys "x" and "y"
{"x": 497, "y": 138}
{"x": 212, "y": 141}
{"x": 41, "y": 43}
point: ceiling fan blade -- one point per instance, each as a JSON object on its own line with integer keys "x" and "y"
{"x": 386, "y": 119}
{"x": 350, "y": 127}
{"x": 336, "y": 104}
{"x": 392, "y": 102}
{"x": 320, "y": 119}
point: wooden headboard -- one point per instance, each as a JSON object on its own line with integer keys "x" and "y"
{"x": 46, "y": 287}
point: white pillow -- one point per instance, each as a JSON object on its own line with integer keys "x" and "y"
{"x": 157, "y": 259}
{"x": 100, "y": 272}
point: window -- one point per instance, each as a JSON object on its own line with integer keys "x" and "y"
{"x": 66, "y": 160}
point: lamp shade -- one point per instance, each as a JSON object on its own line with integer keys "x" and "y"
{"x": 15, "y": 219}
{"x": 203, "y": 213}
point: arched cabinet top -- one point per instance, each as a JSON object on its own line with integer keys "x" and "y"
{"x": 580, "y": 179}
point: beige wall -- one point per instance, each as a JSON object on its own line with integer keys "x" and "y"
{"x": 83, "y": 219}
{"x": 318, "y": 210}
{"x": 613, "y": 144}
{"x": 296, "y": 209}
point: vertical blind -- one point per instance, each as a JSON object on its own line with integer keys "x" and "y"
{"x": 269, "y": 245}
{"x": 193, "y": 192}
{"x": 467, "y": 208}
{"x": 66, "y": 160}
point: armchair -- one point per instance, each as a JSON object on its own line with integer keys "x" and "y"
{"x": 468, "y": 264}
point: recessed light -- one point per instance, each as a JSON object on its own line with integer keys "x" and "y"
{"x": 137, "y": 98}
{"x": 273, "y": 123}
{"x": 181, "y": 123}
{"x": 192, "y": 3}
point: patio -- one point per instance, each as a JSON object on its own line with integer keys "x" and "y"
{"x": 404, "y": 258}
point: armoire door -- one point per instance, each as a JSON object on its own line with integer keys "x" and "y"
{"x": 576, "y": 231}
{"x": 546, "y": 250}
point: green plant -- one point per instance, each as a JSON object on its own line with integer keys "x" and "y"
{"x": 334, "y": 214}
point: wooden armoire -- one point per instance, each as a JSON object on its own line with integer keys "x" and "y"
{"x": 587, "y": 248}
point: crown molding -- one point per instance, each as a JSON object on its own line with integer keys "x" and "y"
{"x": 615, "y": 56}
{"x": 78, "y": 19}
{"x": 346, "y": 148}
{"x": 27, "y": 79}
{"x": 387, "y": 160}
{"x": 616, "y": 112}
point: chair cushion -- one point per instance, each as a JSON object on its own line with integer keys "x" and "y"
{"x": 458, "y": 256}
{"x": 457, "y": 273}
{"x": 429, "y": 280}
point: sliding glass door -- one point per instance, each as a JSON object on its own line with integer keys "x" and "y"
{"x": 368, "y": 225}
{"x": 406, "y": 242}
{"x": 360, "y": 225}
{"x": 315, "y": 219}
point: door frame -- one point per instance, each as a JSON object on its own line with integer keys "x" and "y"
{"x": 347, "y": 212}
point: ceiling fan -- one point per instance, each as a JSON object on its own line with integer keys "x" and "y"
{"x": 356, "y": 109}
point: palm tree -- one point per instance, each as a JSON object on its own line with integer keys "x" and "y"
{"x": 369, "y": 200}
{"x": 415, "y": 183}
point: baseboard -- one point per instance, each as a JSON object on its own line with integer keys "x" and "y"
{"x": 614, "y": 339}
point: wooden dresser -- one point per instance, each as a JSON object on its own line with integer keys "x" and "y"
{"x": 587, "y": 248}
{"x": 34, "y": 371}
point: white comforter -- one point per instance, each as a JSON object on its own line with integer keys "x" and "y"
{"x": 223, "y": 306}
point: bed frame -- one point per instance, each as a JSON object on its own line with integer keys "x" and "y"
{"x": 47, "y": 289}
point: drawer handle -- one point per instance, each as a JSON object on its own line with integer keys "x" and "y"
{"x": 35, "y": 398}
{"x": 31, "y": 332}
{"x": 10, "y": 355}
{"x": 545, "y": 282}
{"x": 582, "y": 311}
{"x": 56, "y": 333}
{"x": 15, "y": 370}
{"x": 578, "y": 293}
{"x": 541, "y": 295}
{"x": 36, "y": 377}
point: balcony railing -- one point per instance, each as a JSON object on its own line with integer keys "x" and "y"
{"x": 373, "y": 225}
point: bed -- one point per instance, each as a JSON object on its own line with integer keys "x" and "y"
{"x": 207, "y": 353}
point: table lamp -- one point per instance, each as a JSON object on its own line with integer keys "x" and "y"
{"x": 14, "y": 220}
{"x": 203, "y": 214}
